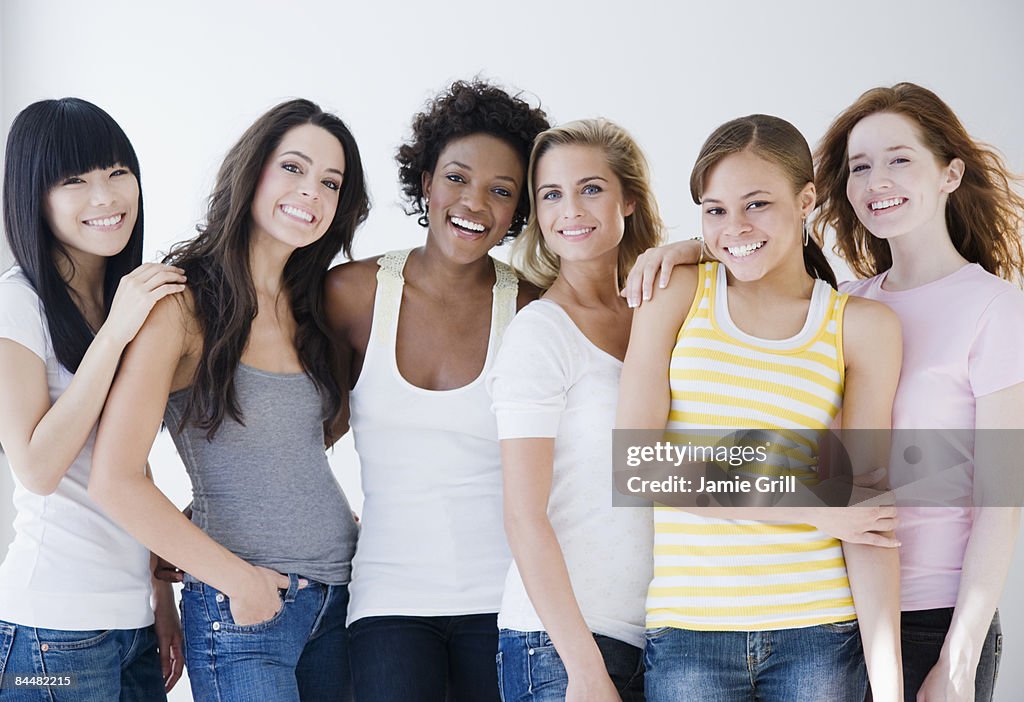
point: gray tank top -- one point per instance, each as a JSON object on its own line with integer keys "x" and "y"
{"x": 265, "y": 491}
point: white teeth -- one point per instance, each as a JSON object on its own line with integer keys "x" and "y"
{"x": 105, "y": 222}
{"x": 296, "y": 212}
{"x": 466, "y": 224}
{"x": 577, "y": 232}
{"x": 884, "y": 204}
{"x": 745, "y": 250}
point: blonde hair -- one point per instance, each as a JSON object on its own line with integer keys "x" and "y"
{"x": 530, "y": 255}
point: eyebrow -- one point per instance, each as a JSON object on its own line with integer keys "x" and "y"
{"x": 581, "y": 181}
{"x": 752, "y": 193}
{"x": 308, "y": 160}
{"x": 467, "y": 167}
{"x": 891, "y": 148}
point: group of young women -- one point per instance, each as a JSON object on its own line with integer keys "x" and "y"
{"x": 489, "y": 561}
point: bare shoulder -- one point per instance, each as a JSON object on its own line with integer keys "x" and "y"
{"x": 349, "y": 290}
{"x": 870, "y": 318}
{"x": 528, "y": 292}
{"x": 173, "y": 321}
{"x": 675, "y": 299}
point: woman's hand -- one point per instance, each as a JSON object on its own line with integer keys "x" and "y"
{"x": 658, "y": 263}
{"x": 260, "y": 599}
{"x": 948, "y": 683}
{"x": 168, "y": 635}
{"x": 873, "y": 526}
{"x": 136, "y": 294}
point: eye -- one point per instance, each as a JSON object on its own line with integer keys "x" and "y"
{"x": 901, "y": 159}
{"x": 757, "y": 205}
{"x": 455, "y": 178}
{"x": 503, "y": 192}
{"x": 331, "y": 184}
{"x": 715, "y": 211}
{"x": 858, "y": 168}
{"x": 73, "y": 180}
{"x": 291, "y": 167}
{"x": 591, "y": 189}
{"x": 119, "y": 172}
{"x": 551, "y": 195}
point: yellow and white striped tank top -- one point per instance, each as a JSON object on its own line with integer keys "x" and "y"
{"x": 741, "y": 575}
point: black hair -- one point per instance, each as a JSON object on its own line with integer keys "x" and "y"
{"x": 466, "y": 108}
{"x": 49, "y": 141}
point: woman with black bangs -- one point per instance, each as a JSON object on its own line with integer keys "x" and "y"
{"x": 74, "y": 588}
{"x": 416, "y": 333}
{"x": 239, "y": 367}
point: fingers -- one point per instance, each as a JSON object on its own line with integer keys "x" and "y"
{"x": 177, "y": 666}
{"x": 872, "y": 538}
{"x": 870, "y": 479}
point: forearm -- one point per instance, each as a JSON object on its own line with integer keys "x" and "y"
{"x": 139, "y": 507}
{"x": 874, "y": 575}
{"x": 61, "y": 433}
{"x": 542, "y": 567}
{"x": 986, "y": 564}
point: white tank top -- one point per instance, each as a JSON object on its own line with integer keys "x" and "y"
{"x": 432, "y": 541}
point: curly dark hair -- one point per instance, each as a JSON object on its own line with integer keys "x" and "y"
{"x": 463, "y": 109}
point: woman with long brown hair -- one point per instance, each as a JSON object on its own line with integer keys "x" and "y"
{"x": 930, "y": 218}
{"x": 239, "y": 368}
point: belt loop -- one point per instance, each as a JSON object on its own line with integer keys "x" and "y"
{"x": 293, "y": 587}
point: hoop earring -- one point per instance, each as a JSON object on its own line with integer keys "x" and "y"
{"x": 807, "y": 234}
{"x": 424, "y": 219}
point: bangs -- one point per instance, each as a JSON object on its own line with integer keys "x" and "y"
{"x": 81, "y": 138}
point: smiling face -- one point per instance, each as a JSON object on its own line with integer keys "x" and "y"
{"x": 93, "y": 214}
{"x": 896, "y": 185}
{"x": 580, "y": 203}
{"x": 472, "y": 195}
{"x": 297, "y": 193}
{"x": 751, "y": 218}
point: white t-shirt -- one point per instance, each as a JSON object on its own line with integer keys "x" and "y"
{"x": 69, "y": 567}
{"x": 550, "y": 381}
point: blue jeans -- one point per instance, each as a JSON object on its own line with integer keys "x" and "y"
{"x": 923, "y": 633}
{"x": 810, "y": 664}
{"x": 116, "y": 664}
{"x": 425, "y": 659}
{"x": 300, "y": 653}
{"x": 530, "y": 669}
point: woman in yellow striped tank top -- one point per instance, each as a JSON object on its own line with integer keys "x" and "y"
{"x": 763, "y": 602}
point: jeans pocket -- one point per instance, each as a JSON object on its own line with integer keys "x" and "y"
{"x": 652, "y": 634}
{"x": 842, "y": 627}
{"x": 222, "y": 605}
{"x": 6, "y": 643}
{"x": 61, "y": 640}
{"x": 546, "y": 670}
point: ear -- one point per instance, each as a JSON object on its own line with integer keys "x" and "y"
{"x": 954, "y": 175}
{"x": 630, "y": 208}
{"x": 425, "y": 179}
{"x": 807, "y": 197}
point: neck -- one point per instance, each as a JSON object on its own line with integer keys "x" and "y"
{"x": 790, "y": 281}
{"x": 922, "y": 256}
{"x": 441, "y": 273}
{"x": 592, "y": 283}
{"x": 266, "y": 265}
{"x": 84, "y": 274}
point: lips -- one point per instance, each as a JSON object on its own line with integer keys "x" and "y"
{"x": 744, "y": 250}
{"x": 576, "y": 233}
{"x": 886, "y": 205}
{"x": 298, "y": 214}
{"x": 108, "y": 222}
{"x": 466, "y": 228}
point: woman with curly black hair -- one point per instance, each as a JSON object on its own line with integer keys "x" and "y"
{"x": 432, "y": 557}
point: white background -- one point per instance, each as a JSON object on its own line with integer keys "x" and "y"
{"x": 184, "y": 79}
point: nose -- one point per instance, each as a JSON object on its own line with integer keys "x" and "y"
{"x": 101, "y": 194}
{"x": 878, "y": 180}
{"x": 309, "y": 187}
{"x": 736, "y": 223}
{"x": 473, "y": 198}
{"x": 570, "y": 206}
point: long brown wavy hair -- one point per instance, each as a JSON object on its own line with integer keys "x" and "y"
{"x": 776, "y": 141}
{"x": 217, "y": 265}
{"x": 984, "y": 215}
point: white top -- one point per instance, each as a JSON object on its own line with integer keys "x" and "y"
{"x": 550, "y": 381}
{"x": 69, "y": 567}
{"x": 432, "y": 541}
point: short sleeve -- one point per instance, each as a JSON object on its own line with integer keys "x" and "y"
{"x": 21, "y": 319}
{"x": 996, "y": 359}
{"x": 531, "y": 376}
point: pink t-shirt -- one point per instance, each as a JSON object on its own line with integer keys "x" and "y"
{"x": 963, "y": 337}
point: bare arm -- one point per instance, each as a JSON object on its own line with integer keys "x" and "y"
{"x": 527, "y": 466}
{"x": 120, "y": 486}
{"x": 42, "y": 440}
{"x": 986, "y": 559}
{"x": 658, "y": 264}
{"x": 873, "y": 350}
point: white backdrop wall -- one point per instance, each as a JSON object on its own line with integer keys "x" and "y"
{"x": 185, "y": 82}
